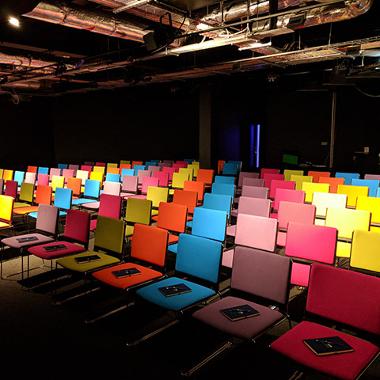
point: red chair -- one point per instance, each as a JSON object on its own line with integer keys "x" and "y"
{"x": 109, "y": 206}
{"x": 348, "y": 298}
{"x": 280, "y": 184}
{"x": 269, "y": 177}
{"x": 11, "y": 188}
{"x": 264, "y": 171}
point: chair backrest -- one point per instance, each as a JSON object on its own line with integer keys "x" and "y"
{"x": 206, "y": 176}
{"x": 30, "y": 177}
{"x": 372, "y": 205}
{"x": 62, "y": 166}
{"x": 311, "y": 187}
{"x": 372, "y": 176}
{"x": 11, "y": 188}
{"x": 224, "y": 179}
{"x": 197, "y": 186}
{"x": 372, "y": 184}
{"x": 187, "y": 171}
{"x": 297, "y": 196}
{"x": 254, "y": 206}
{"x": 154, "y": 168}
{"x": 348, "y": 177}
{"x": 323, "y": 201}
{"x": 138, "y": 211}
{"x": 148, "y": 181}
{"x": 163, "y": 178}
{"x": 63, "y": 198}
{"x": 170, "y": 170}
{"x": 243, "y": 175}
{"x": 186, "y": 198}
{"x": 74, "y": 167}
{"x": 333, "y": 182}
{"x": 83, "y": 175}
{"x": 96, "y": 176}
{"x": 279, "y": 184}
{"x": 130, "y": 184}
{"x": 218, "y": 202}
{"x": 43, "y": 170}
{"x": 47, "y": 219}
{"x": 345, "y": 296}
{"x": 172, "y": 216}
{"x": 92, "y": 188}
{"x": 112, "y": 188}
{"x": 77, "y": 226}
{"x": 259, "y": 182}
{"x": 352, "y": 193}
{"x": 365, "y": 251}
{"x": 1, "y": 186}
{"x": 54, "y": 172}
{"x": 300, "y": 179}
{"x": 8, "y": 175}
{"x": 288, "y": 173}
{"x": 57, "y": 181}
{"x": 127, "y": 172}
{"x": 318, "y": 174}
{"x": 256, "y": 232}
{"x": 68, "y": 173}
{"x": 231, "y": 168}
{"x": 27, "y": 192}
{"x": 209, "y": 223}
{"x": 19, "y": 177}
{"x": 6, "y": 208}
{"x": 43, "y": 194}
{"x": 269, "y": 177}
{"x": 112, "y": 177}
{"x": 32, "y": 169}
{"x": 114, "y": 171}
{"x": 223, "y": 188}
{"x": 195, "y": 168}
{"x": 75, "y": 184}
{"x": 264, "y": 171}
{"x": 157, "y": 195}
{"x": 261, "y": 274}
{"x": 254, "y": 192}
{"x": 110, "y": 206}
{"x": 295, "y": 212}
{"x": 199, "y": 257}
{"x": 141, "y": 174}
{"x": 178, "y": 180}
{"x": 346, "y": 221}
{"x": 149, "y": 244}
{"x": 109, "y": 234}
{"x": 42, "y": 179}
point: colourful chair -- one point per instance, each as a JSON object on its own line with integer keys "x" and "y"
{"x": 157, "y": 195}
{"x": 170, "y": 171}
{"x": 62, "y": 166}
{"x": 365, "y": 251}
{"x": 68, "y": 173}
{"x": 288, "y": 173}
{"x": 137, "y": 211}
{"x": 91, "y": 192}
{"x": 206, "y": 176}
{"x": 269, "y": 177}
{"x": 352, "y": 192}
{"x": 83, "y": 175}
{"x": 254, "y": 192}
{"x": 311, "y": 187}
{"x": 279, "y": 184}
{"x": 372, "y": 176}
{"x": 318, "y": 174}
{"x": 163, "y": 178}
{"x": 323, "y": 201}
{"x": 373, "y": 206}
{"x": 148, "y": 181}
{"x": 11, "y": 188}
{"x": 127, "y": 172}
{"x": 129, "y": 186}
{"x": 347, "y": 298}
{"x": 224, "y": 179}
{"x": 43, "y": 170}
{"x": 54, "y": 172}
{"x": 141, "y": 174}
{"x": 333, "y": 182}
{"x": 264, "y": 171}
{"x": 223, "y": 188}
{"x": 186, "y": 198}
{"x": 30, "y": 178}
{"x": 109, "y": 206}
{"x": 6, "y": 211}
{"x": 300, "y": 179}
{"x": 43, "y": 179}
{"x": 8, "y": 175}
{"x": 172, "y": 217}
{"x": 372, "y": 184}
{"x": 231, "y": 168}
{"x": 243, "y": 175}
{"x": 26, "y": 196}
{"x": 187, "y": 171}
{"x": 259, "y": 182}
{"x": 220, "y": 202}
{"x": 19, "y": 177}
{"x": 75, "y": 184}
{"x": 57, "y": 181}
{"x": 112, "y": 177}
{"x": 348, "y": 177}
{"x": 297, "y": 196}
{"x": 178, "y": 181}
{"x": 32, "y": 169}
{"x": 196, "y": 186}
{"x": 96, "y": 176}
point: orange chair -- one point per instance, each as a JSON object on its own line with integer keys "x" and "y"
{"x": 75, "y": 185}
{"x": 134, "y": 163}
{"x": 197, "y": 186}
{"x": 206, "y": 176}
{"x": 43, "y": 196}
{"x": 112, "y": 170}
{"x": 220, "y": 166}
{"x": 318, "y": 174}
{"x": 333, "y": 182}
{"x": 172, "y": 217}
{"x": 32, "y": 169}
{"x": 125, "y": 166}
{"x": 186, "y": 198}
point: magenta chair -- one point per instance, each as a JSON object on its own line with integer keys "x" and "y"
{"x": 11, "y": 188}
{"x": 163, "y": 178}
{"x": 109, "y": 206}
{"x": 348, "y": 299}
{"x": 280, "y": 184}
{"x": 264, "y": 171}
{"x": 269, "y": 177}
{"x": 297, "y": 196}
{"x": 43, "y": 179}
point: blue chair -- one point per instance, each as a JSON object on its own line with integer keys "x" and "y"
{"x": 207, "y": 223}
{"x": 223, "y": 188}
{"x": 43, "y": 170}
{"x": 137, "y": 168}
{"x": 62, "y": 166}
{"x": 231, "y": 168}
{"x": 224, "y": 179}
{"x": 189, "y": 160}
{"x": 151, "y": 163}
{"x": 348, "y": 177}
{"x": 91, "y": 192}
{"x": 128, "y": 172}
{"x": 111, "y": 177}
{"x": 199, "y": 259}
{"x": 19, "y": 177}
{"x": 372, "y": 184}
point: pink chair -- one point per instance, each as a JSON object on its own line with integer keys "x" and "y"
{"x": 170, "y": 170}
{"x": 311, "y": 243}
{"x": 109, "y": 188}
{"x": 68, "y": 173}
{"x": 29, "y": 178}
{"x": 372, "y": 176}
{"x": 141, "y": 174}
{"x": 268, "y": 171}
{"x": 11, "y": 188}
{"x": 129, "y": 186}
{"x": 293, "y": 212}
{"x": 269, "y": 177}
{"x": 163, "y": 178}
{"x": 87, "y": 168}
{"x": 297, "y": 196}
{"x": 74, "y": 167}
{"x": 254, "y": 232}
{"x": 254, "y": 192}
{"x": 109, "y": 206}
{"x": 54, "y": 171}
{"x": 146, "y": 182}
{"x": 280, "y": 184}
{"x": 43, "y": 179}
{"x": 243, "y": 175}
{"x": 154, "y": 168}
{"x": 248, "y": 181}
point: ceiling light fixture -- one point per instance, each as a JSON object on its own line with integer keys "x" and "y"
{"x": 130, "y": 4}
{"x": 14, "y": 21}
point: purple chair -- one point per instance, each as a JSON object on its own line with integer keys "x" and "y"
{"x": 248, "y": 181}
{"x": 254, "y": 191}
{"x": 254, "y": 232}
{"x": 258, "y": 275}
{"x": 243, "y": 175}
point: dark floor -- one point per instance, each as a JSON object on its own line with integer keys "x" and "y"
{"x": 49, "y": 341}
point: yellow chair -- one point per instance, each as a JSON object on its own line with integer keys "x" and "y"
{"x": 122, "y": 162}
{"x": 372, "y": 205}
{"x": 178, "y": 181}
{"x": 365, "y": 251}
{"x": 323, "y": 201}
{"x": 312, "y": 187}
{"x": 112, "y": 165}
{"x": 137, "y": 211}
{"x": 157, "y": 195}
{"x": 1, "y": 173}
{"x": 346, "y": 221}
{"x": 352, "y": 192}
{"x": 83, "y": 175}
{"x": 188, "y": 171}
{"x": 288, "y": 173}
{"x": 99, "y": 169}
{"x": 26, "y": 196}
{"x": 98, "y": 176}
{"x": 57, "y": 181}
{"x": 6, "y": 211}
{"x": 300, "y": 179}
{"x": 7, "y": 175}
{"x": 195, "y": 169}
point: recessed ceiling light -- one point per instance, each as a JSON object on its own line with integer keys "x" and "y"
{"x": 14, "y": 21}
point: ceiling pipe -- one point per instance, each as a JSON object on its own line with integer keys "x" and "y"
{"x": 20, "y": 62}
{"x": 86, "y": 20}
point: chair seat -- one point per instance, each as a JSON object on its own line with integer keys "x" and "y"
{"x": 91, "y": 206}
{"x": 103, "y": 261}
{"x": 81, "y": 201}
{"x": 173, "y": 239}
{"x": 343, "y": 366}
{"x": 300, "y": 274}
{"x": 246, "y": 328}
{"x": 70, "y": 249}
{"x": 145, "y": 275}
{"x": 173, "y": 248}
{"x": 154, "y": 212}
{"x": 25, "y": 210}
{"x": 5, "y": 225}
{"x": 127, "y": 195}
{"x": 14, "y": 243}
{"x": 155, "y": 218}
{"x": 20, "y": 204}
{"x": 231, "y": 230}
{"x": 228, "y": 257}
{"x": 178, "y": 302}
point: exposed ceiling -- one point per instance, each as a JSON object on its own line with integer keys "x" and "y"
{"x": 83, "y": 45}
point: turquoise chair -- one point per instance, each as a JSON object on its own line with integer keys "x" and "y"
{"x": 128, "y": 172}
{"x": 42, "y": 170}
{"x": 91, "y": 192}
{"x": 62, "y": 166}
{"x": 19, "y": 177}
{"x": 137, "y": 168}
{"x": 223, "y": 188}
{"x": 224, "y": 179}
{"x": 231, "y": 168}
{"x": 111, "y": 177}
{"x": 348, "y": 177}
{"x": 372, "y": 184}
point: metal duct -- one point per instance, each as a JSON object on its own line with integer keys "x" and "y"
{"x": 20, "y": 62}
{"x": 91, "y": 21}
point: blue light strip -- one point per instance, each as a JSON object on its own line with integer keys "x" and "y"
{"x": 251, "y": 145}
{"x": 258, "y": 146}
